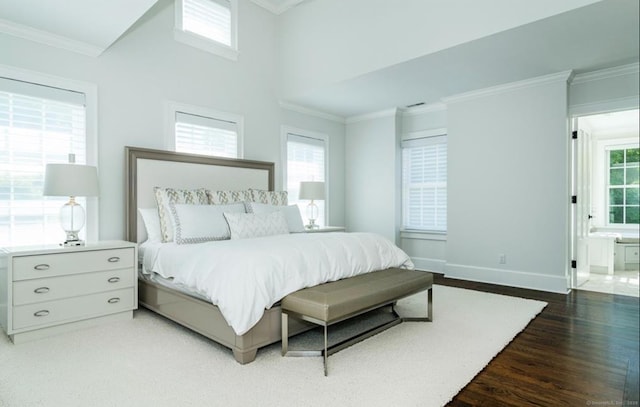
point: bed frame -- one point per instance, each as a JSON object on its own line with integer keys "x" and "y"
{"x": 146, "y": 169}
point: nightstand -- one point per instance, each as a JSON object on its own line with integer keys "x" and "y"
{"x": 325, "y": 229}
{"x": 46, "y": 290}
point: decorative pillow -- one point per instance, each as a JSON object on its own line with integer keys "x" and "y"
{"x": 246, "y": 225}
{"x": 167, "y": 196}
{"x": 202, "y": 223}
{"x": 291, "y": 214}
{"x": 269, "y": 197}
{"x": 151, "y": 222}
{"x": 227, "y": 197}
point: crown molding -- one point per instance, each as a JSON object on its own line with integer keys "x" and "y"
{"x": 371, "y": 116}
{"x": 312, "y": 112}
{"x": 607, "y": 73}
{"x": 277, "y": 8}
{"x": 563, "y": 76}
{"x": 47, "y": 38}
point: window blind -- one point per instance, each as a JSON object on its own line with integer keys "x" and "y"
{"x": 205, "y": 135}
{"x": 424, "y": 184}
{"x": 305, "y": 162}
{"x": 208, "y": 18}
{"x": 38, "y": 125}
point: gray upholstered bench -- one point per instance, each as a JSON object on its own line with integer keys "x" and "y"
{"x": 326, "y": 304}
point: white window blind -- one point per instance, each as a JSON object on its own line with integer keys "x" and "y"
{"x": 208, "y": 18}
{"x": 38, "y": 125}
{"x": 205, "y": 135}
{"x": 424, "y": 184}
{"x": 305, "y": 162}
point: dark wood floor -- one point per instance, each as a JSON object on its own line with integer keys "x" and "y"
{"x": 581, "y": 350}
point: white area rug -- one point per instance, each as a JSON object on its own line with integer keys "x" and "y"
{"x": 150, "y": 361}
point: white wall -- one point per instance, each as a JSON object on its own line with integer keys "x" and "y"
{"x": 328, "y": 41}
{"x": 508, "y": 189}
{"x": 372, "y": 166}
{"x": 146, "y": 68}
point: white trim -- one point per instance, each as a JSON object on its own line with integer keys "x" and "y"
{"x": 47, "y": 38}
{"x": 371, "y": 116}
{"x": 607, "y": 73}
{"x": 511, "y": 278}
{"x": 277, "y": 8}
{"x": 415, "y": 234}
{"x": 90, "y": 91}
{"x": 604, "y": 106}
{"x": 312, "y": 112}
{"x": 420, "y": 110}
{"x": 425, "y": 264}
{"x": 172, "y": 107}
{"x": 207, "y": 44}
{"x": 509, "y": 87}
{"x": 412, "y": 135}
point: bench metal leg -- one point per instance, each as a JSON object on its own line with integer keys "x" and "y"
{"x": 326, "y": 354}
{"x": 285, "y": 333}
{"x": 429, "y": 317}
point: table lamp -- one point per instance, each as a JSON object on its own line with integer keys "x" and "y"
{"x": 71, "y": 180}
{"x": 313, "y": 190}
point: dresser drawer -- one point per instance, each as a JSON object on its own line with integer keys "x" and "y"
{"x": 49, "y": 265}
{"x": 55, "y": 288}
{"x": 631, "y": 254}
{"x": 71, "y": 309}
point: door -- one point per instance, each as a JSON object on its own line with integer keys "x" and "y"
{"x": 582, "y": 208}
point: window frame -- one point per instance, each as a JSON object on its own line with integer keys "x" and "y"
{"x": 324, "y": 138}
{"x": 90, "y": 92}
{"x": 173, "y": 108}
{"x": 410, "y": 138}
{"x": 203, "y": 43}
{"x": 624, "y": 186}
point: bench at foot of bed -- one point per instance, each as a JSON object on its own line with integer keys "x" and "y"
{"x": 329, "y": 303}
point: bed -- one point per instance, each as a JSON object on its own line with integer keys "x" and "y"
{"x": 147, "y": 169}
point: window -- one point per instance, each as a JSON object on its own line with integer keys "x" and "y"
{"x": 204, "y": 131}
{"x": 623, "y": 185}
{"x": 209, "y": 25}
{"x": 38, "y": 125}
{"x": 306, "y": 155}
{"x": 424, "y": 184}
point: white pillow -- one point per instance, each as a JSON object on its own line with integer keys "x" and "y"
{"x": 167, "y": 196}
{"x": 202, "y": 223}
{"x": 151, "y": 220}
{"x": 291, "y": 214}
{"x": 246, "y": 225}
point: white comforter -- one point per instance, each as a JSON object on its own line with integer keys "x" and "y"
{"x": 244, "y": 277}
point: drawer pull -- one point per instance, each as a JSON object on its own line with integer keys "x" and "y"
{"x": 114, "y": 279}
{"x": 41, "y": 290}
{"x": 41, "y": 267}
{"x": 113, "y": 300}
{"x": 114, "y": 259}
{"x": 42, "y": 313}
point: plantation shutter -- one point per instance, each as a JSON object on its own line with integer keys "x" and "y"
{"x": 424, "y": 184}
{"x": 205, "y": 135}
{"x": 38, "y": 125}
{"x": 208, "y": 18}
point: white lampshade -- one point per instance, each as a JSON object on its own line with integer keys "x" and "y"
{"x": 70, "y": 180}
{"x": 313, "y": 190}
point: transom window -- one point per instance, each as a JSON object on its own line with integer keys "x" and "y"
{"x": 623, "y": 185}
{"x": 210, "y": 25}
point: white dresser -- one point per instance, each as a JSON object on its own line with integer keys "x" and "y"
{"x": 51, "y": 289}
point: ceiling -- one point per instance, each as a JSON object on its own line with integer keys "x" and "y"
{"x": 601, "y": 35}
{"x": 589, "y": 38}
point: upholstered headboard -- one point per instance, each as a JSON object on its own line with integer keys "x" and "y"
{"x": 147, "y": 168}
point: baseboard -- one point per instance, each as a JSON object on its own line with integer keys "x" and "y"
{"x": 512, "y": 278}
{"x": 426, "y": 264}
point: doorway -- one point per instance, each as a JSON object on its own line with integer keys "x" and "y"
{"x": 606, "y": 165}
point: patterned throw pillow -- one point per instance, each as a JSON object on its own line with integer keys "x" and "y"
{"x": 247, "y": 225}
{"x": 269, "y": 197}
{"x": 167, "y": 196}
{"x": 227, "y": 197}
{"x": 291, "y": 214}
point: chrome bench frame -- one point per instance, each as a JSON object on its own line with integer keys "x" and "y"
{"x": 330, "y": 350}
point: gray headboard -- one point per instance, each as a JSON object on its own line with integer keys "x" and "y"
{"x": 147, "y": 168}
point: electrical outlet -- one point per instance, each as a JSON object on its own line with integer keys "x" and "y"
{"x": 503, "y": 259}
